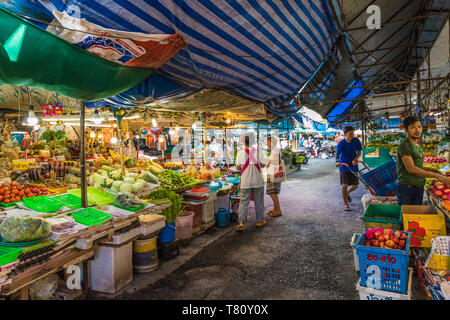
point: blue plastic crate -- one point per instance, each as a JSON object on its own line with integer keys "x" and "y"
{"x": 383, "y": 179}
{"x": 383, "y": 269}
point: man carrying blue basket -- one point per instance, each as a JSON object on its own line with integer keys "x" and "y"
{"x": 411, "y": 172}
{"x": 348, "y": 152}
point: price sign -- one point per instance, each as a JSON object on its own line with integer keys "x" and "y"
{"x": 21, "y": 164}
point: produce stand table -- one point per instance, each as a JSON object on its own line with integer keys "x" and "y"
{"x": 56, "y": 264}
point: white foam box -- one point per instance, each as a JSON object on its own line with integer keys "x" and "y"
{"x": 123, "y": 237}
{"x": 355, "y": 238}
{"x": 208, "y": 210}
{"x": 375, "y": 294}
{"x": 112, "y": 268}
{"x": 157, "y": 223}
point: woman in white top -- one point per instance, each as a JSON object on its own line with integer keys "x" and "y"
{"x": 273, "y": 189}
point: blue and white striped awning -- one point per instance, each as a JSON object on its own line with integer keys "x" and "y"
{"x": 260, "y": 50}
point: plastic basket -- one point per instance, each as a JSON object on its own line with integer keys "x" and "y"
{"x": 374, "y": 294}
{"x": 69, "y": 200}
{"x": 383, "y": 269}
{"x": 42, "y": 204}
{"x": 8, "y": 205}
{"x": 383, "y": 180}
{"x": 91, "y": 216}
{"x": 355, "y": 255}
{"x": 132, "y": 209}
{"x": 233, "y": 180}
{"x": 184, "y": 226}
{"x": 8, "y": 255}
{"x": 382, "y": 216}
{"x": 95, "y": 196}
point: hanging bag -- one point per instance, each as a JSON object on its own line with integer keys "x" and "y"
{"x": 277, "y": 172}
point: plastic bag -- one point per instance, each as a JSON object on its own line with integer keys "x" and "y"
{"x": 24, "y": 228}
{"x": 45, "y": 288}
{"x": 368, "y": 198}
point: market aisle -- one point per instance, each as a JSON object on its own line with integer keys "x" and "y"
{"x": 305, "y": 254}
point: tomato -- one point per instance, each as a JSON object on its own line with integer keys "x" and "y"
{"x": 2, "y": 191}
{"x": 18, "y": 199}
{"x": 6, "y": 201}
{"x": 13, "y": 183}
{"x": 14, "y": 191}
{"x": 21, "y": 193}
{"x": 1, "y": 198}
{"x": 7, "y": 195}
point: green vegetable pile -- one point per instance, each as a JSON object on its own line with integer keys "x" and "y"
{"x": 171, "y": 180}
{"x": 175, "y": 209}
{"x": 24, "y": 228}
{"x": 127, "y": 199}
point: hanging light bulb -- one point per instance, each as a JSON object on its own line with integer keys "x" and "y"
{"x": 115, "y": 125}
{"x": 161, "y": 139}
{"x": 138, "y": 137}
{"x": 92, "y": 135}
{"x": 113, "y": 140}
{"x": 194, "y": 126}
{"x": 100, "y": 136}
{"x": 97, "y": 119}
{"x": 154, "y": 123}
{"x": 171, "y": 131}
{"x": 32, "y": 120}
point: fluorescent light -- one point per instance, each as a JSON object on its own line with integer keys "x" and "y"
{"x": 88, "y": 125}
{"x": 154, "y": 123}
{"x": 32, "y": 119}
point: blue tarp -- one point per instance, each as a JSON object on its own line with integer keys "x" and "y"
{"x": 260, "y": 50}
{"x": 344, "y": 107}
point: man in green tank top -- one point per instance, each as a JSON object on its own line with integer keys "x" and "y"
{"x": 411, "y": 172}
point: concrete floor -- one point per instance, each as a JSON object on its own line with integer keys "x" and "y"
{"x": 305, "y": 254}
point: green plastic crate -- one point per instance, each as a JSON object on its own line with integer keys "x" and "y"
{"x": 383, "y": 216}
{"x": 8, "y": 255}
{"x": 95, "y": 196}
{"x": 42, "y": 204}
{"x": 90, "y": 216}
{"x": 69, "y": 200}
{"x": 8, "y": 205}
{"x": 132, "y": 209}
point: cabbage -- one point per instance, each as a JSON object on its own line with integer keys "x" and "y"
{"x": 133, "y": 175}
{"x": 108, "y": 183}
{"x": 115, "y": 175}
{"x": 100, "y": 172}
{"x": 98, "y": 185}
{"x": 126, "y": 187}
{"x": 138, "y": 186}
{"x": 141, "y": 180}
{"x": 113, "y": 188}
{"x": 117, "y": 184}
{"x": 129, "y": 180}
{"x": 94, "y": 178}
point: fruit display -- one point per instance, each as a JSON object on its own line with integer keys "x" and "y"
{"x": 15, "y": 192}
{"x": 387, "y": 238}
{"x": 435, "y": 160}
{"x": 429, "y": 154}
{"x": 435, "y": 166}
{"x": 429, "y": 147}
{"x": 439, "y": 189}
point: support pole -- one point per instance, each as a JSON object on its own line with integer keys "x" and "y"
{"x": 119, "y": 135}
{"x": 83, "y": 156}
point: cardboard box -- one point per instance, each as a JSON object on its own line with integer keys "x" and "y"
{"x": 424, "y": 223}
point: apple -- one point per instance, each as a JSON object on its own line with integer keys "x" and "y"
{"x": 367, "y": 243}
{"x": 396, "y": 240}
{"x": 386, "y": 237}
{"x": 375, "y": 243}
{"x": 381, "y": 238}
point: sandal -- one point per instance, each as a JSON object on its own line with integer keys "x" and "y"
{"x": 240, "y": 228}
{"x": 261, "y": 224}
{"x": 269, "y": 213}
{"x": 347, "y": 208}
{"x": 274, "y": 215}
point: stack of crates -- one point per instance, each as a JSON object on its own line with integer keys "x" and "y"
{"x": 384, "y": 273}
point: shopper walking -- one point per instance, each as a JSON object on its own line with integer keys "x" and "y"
{"x": 250, "y": 161}
{"x": 348, "y": 152}
{"x": 411, "y": 172}
{"x": 276, "y": 175}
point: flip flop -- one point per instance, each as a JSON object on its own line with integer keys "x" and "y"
{"x": 261, "y": 224}
{"x": 347, "y": 208}
{"x": 269, "y": 213}
{"x": 274, "y": 215}
{"x": 240, "y": 228}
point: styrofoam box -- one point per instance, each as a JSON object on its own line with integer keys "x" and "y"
{"x": 374, "y": 294}
{"x": 150, "y": 228}
{"x": 124, "y": 237}
{"x": 355, "y": 238}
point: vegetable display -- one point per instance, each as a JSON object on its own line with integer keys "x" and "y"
{"x": 175, "y": 209}
{"x": 24, "y": 228}
{"x": 171, "y": 180}
{"x": 113, "y": 179}
{"x": 127, "y": 199}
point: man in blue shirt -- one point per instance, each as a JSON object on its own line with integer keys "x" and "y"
{"x": 348, "y": 151}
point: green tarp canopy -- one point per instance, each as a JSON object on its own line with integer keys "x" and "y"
{"x": 32, "y": 57}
